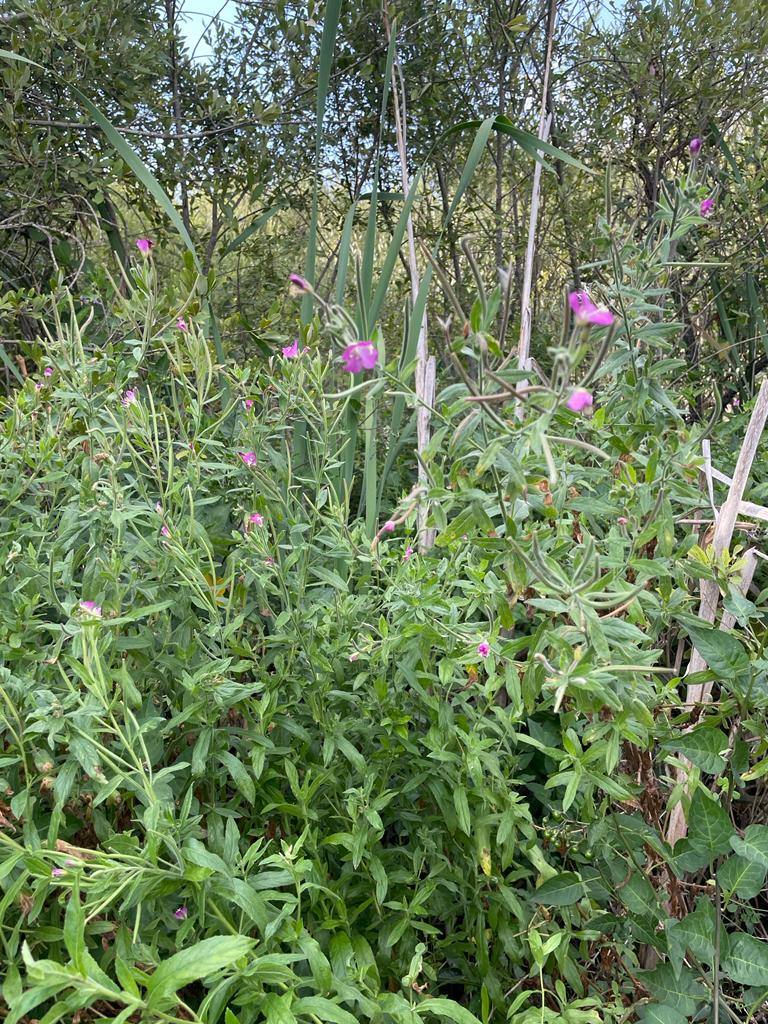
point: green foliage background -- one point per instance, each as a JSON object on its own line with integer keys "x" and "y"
{"x": 275, "y": 779}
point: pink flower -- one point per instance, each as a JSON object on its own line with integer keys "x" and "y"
{"x": 158, "y": 508}
{"x": 363, "y": 355}
{"x": 144, "y": 245}
{"x": 706, "y": 206}
{"x": 91, "y": 608}
{"x": 389, "y": 526}
{"x": 694, "y": 145}
{"x": 181, "y": 913}
{"x": 57, "y": 872}
{"x": 130, "y": 395}
{"x": 622, "y": 520}
{"x": 182, "y": 324}
{"x": 579, "y": 400}
{"x": 586, "y": 312}
{"x": 484, "y": 649}
{"x": 249, "y": 458}
{"x": 735, "y": 401}
{"x": 297, "y": 284}
{"x": 256, "y": 518}
{"x": 48, "y": 371}
{"x": 165, "y": 531}
{"x": 291, "y": 351}
{"x": 248, "y": 404}
{"x": 39, "y": 385}
{"x": 408, "y": 553}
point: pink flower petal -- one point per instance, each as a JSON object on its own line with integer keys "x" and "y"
{"x": 579, "y": 400}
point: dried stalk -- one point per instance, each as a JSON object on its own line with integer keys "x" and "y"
{"x": 709, "y": 590}
{"x": 545, "y": 121}
{"x": 424, "y": 383}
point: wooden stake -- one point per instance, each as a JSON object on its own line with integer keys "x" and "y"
{"x": 709, "y": 590}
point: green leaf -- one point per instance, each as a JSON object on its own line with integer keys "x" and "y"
{"x": 754, "y": 846}
{"x": 74, "y": 928}
{"x": 723, "y": 652}
{"x": 462, "y": 809}
{"x": 709, "y": 827}
{"x": 696, "y": 932}
{"x": 741, "y": 876}
{"x": 639, "y": 897}
{"x": 746, "y": 960}
{"x": 277, "y": 1009}
{"x": 684, "y": 993}
{"x": 656, "y": 1013}
{"x": 324, "y": 1009}
{"x": 317, "y": 960}
{"x": 702, "y": 747}
{"x": 204, "y": 958}
{"x": 447, "y": 1008}
{"x": 561, "y": 890}
{"x": 240, "y": 776}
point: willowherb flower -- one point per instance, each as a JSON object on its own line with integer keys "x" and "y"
{"x": 182, "y": 324}
{"x": 586, "y": 312}
{"x": 91, "y": 608}
{"x": 363, "y": 355}
{"x": 484, "y": 649}
{"x": 39, "y": 385}
{"x": 408, "y": 553}
{"x": 695, "y": 145}
{"x": 248, "y": 404}
{"x": 291, "y": 351}
{"x": 249, "y": 458}
{"x": 706, "y": 206}
{"x": 735, "y": 401}
{"x": 256, "y": 518}
{"x": 579, "y": 400}
{"x": 622, "y": 520}
{"x": 389, "y": 526}
{"x": 57, "y": 872}
{"x": 48, "y": 371}
{"x": 130, "y": 396}
{"x": 165, "y": 531}
{"x": 181, "y": 913}
{"x": 145, "y": 245}
{"x": 297, "y": 284}
{"x": 158, "y": 508}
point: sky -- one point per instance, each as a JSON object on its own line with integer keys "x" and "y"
{"x": 196, "y": 16}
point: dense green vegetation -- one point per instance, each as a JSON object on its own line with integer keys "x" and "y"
{"x": 381, "y": 503}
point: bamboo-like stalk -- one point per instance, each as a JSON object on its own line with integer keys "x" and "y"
{"x": 709, "y": 590}
{"x": 424, "y": 384}
{"x": 545, "y": 121}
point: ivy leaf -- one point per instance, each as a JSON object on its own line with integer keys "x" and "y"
{"x": 656, "y": 1013}
{"x": 723, "y": 652}
{"x": 684, "y": 993}
{"x": 746, "y": 960}
{"x": 709, "y": 827}
{"x": 702, "y": 747}
{"x": 754, "y": 846}
{"x": 561, "y": 890}
{"x": 639, "y": 897}
{"x": 741, "y": 876}
{"x": 695, "y": 932}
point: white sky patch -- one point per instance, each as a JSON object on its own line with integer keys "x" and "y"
{"x": 196, "y": 16}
